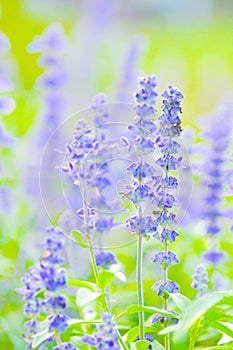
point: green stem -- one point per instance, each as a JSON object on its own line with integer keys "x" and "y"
{"x": 93, "y": 262}
{"x": 165, "y": 306}
{"x": 191, "y": 344}
{"x": 58, "y": 339}
{"x": 86, "y": 223}
{"x": 121, "y": 341}
{"x": 140, "y": 282}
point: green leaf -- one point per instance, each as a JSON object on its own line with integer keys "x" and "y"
{"x": 42, "y": 334}
{"x": 227, "y": 297}
{"x": 169, "y": 329}
{"x": 78, "y": 236}
{"x": 134, "y": 332}
{"x": 40, "y": 293}
{"x": 75, "y": 321}
{"x": 218, "y": 314}
{"x": 194, "y": 312}
{"x": 220, "y": 347}
{"x": 85, "y": 297}
{"x": 198, "y": 308}
{"x": 83, "y": 284}
{"x": 181, "y": 301}
{"x": 157, "y": 346}
{"x": 39, "y": 338}
{"x": 142, "y": 344}
{"x": 105, "y": 278}
{"x": 224, "y": 328}
{"x": 149, "y": 309}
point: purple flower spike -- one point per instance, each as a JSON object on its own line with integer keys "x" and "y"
{"x": 47, "y": 277}
{"x": 105, "y": 259}
{"x": 106, "y": 336}
{"x": 214, "y": 257}
{"x": 169, "y": 286}
{"x": 200, "y": 278}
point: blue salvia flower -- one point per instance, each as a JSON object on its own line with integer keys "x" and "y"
{"x": 106, "y": 337}
{"x": 163, "y": 196}
{"x": 88, "y": 168}
{"x": 105, "y": 259}
{"x": 147, "y": 337}
{"x": 157, "y": 318}
{"x": 219, "y": 137}
{"x": 129, "y": 70}
{"x": 65, "y": 346}
{"x": 200, "y": 279}
{"x": 103, "y": 180}
{"x": 50, "y": 277}
{"x": 168, "y": 286}
{"x": 52, "y": 45}
{"x": 142, "y": 144}
{"x": 145, "y": 225}
{"x": 143, "y": 130}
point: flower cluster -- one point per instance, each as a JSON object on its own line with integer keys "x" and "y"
{"x": 85, "y": 150}
{"x": 129, "y": 71}
{"x": 106, "y": 336}
{"x": 200, "y": 278}
{"x": 143, "y": 142}
{"x": 47, "y": 278}
{"x": 89, "y": 170}
{"x": 52, "y": 45}
{"x": 219, "y": 137}
{"x": 145, "y": 225}
{"x": 157, "y": 318}
{"x": 161, "y": 287}
{"x": 163, "y": 196}
{"x": 105, "y": 259}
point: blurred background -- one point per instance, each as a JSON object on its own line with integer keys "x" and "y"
{"x": 99, "y": 46}
{"x": 185, "y": 43}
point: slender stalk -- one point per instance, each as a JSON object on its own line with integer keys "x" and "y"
{"x": 58, "y": 339}
{"x": 191, "y": 344}
{"x": 92, "y": 256}
{"x": 93, "y": 261}
{"x": 121, "y": 341}
{"x": 140, "y": 280}
{"x": 165, "y": 306}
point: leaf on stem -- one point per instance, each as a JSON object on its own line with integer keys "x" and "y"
{"x": 78, "y": 236}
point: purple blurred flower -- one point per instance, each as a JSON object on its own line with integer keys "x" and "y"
{"x": 169, "y": 286}
{"x": 53, "y": 38}
{"x": 128, "y": 73}
{"x": 147, "y": 337}
{"x": 47, "y": 277}
{"x": 165, "y": 259}
{"x": 214, "y": 257}
{"x": 200, "y": 278}
{"x": 142, "y": 225}
{"x": 157, "y": 318}
{"x": 105, "y": 259}
{"x": 219, "y": 134}
{"x": 66, "y": 346}
{"x": 106, "y": 336}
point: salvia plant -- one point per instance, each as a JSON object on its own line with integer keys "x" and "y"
{"x": 67, "y": 313}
